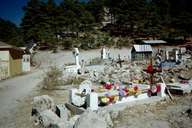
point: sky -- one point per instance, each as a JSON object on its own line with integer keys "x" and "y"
{"x": 12, "y": 10}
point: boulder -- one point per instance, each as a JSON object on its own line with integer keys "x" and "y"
{"x": 74, "y": 119}
{"x": 48, "y": 118}
{"x": 63, "y": 112}
{"x": 106, "y": 117}
{"x": 90, "y": 119}
{"x": 44, "y": 102}
{"x": 114, "y": 114}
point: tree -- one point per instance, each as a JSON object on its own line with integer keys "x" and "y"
{"x": 39, "y": 21}
{"x": 152, "y": 20}
{"x": 10, "y": 33}
{"x": 95, "y": 7}
{"x": 181, "y": 16}
{"x": 30, "y": 21}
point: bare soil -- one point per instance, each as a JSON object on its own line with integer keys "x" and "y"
{"x": 16, "y": 95}
{"x": 164, "y": 114}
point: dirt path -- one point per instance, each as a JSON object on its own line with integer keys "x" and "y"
{"x": 12, "y": 92}
{"x": 16, "y": 93}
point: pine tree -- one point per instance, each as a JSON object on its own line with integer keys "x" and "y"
{"x": 30, "y": 21}
{"x": 10, "y": 33}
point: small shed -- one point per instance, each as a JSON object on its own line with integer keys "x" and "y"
{"x": 141, "y": 52}
{"x": 10, "y": 60}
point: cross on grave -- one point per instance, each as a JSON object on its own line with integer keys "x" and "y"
{"x": 76, "y": 55}
{"x": 151, "y": 70}
{"x": 120, "y": 61}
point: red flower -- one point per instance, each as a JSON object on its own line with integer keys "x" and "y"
{"x": 108, "y": 86}
{"x": 150, "y": 69}
{"x": 136, "y": 88}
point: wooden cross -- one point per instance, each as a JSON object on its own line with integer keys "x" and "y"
{"x": 151, "y": 70}
{"x": 120, "y": 61}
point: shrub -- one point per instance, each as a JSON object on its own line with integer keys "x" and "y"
{"x": 95, "y": 61}
{"x": 53, "y": 77}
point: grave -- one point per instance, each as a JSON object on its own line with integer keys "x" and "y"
{"x": 74, "y": 68}
{"x": 109, "y": 94}
{"x": 103, "y": 53}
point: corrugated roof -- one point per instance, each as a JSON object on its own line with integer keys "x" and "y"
{"x": 154, "y": 42}
{"x": 4, "y": 45}
{"x": 142, "y": 48}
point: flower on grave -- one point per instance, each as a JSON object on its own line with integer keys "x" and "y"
{"x": 105, "y": 100}
{"x": 136, "y": 88}
{"x": 108, "y": 85}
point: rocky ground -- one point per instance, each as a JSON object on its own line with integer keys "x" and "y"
{"x": 16, "y": 105}
{"x": 165, "y": 114}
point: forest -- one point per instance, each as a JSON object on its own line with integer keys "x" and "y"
{"x": 81, "y": 24}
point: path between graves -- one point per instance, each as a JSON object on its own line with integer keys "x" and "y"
{"x": 14, "y": 90}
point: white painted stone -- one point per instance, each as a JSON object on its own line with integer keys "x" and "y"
{"x": 92, "y": 101}
{"x": 133, "y": 98}
{"x": 76, "y": 54}
{"x": 167, "y": 55}
{"x": 72, "y": 69}
{"x": 77, "y": 60}
{"x": 85, "y": 85}
{"x": 162, "y": 92}
{"x": 26, "y": 65}
{"x": 103, "y": 53}
{"x": 176, "y": 55}
{"x": 76, "y": 99}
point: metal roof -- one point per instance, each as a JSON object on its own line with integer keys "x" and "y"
{"x": 142, "y": 48}
{"x": 154, "y": 42}
{"x": 4, "y": 45}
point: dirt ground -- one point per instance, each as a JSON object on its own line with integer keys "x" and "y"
{"x": 164, "y": 114}
{"x": 23, "y": 114}
{"x": 16, "y": 96}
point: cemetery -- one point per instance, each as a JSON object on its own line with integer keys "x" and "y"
{"x": 121, "y": 83}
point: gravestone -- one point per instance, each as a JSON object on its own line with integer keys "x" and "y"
{"x": 85, "y": 87}
{"x": 74, "y": 68}
{"x": 76, "y": 99}
{"x": 76, "y": 55}
{"x": 92, "y": 101}
{"x": 120, "y": 61}
{"x": 161, "y": 93}
{"x": 103, "y": 53}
